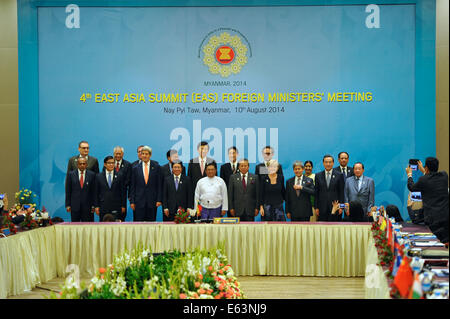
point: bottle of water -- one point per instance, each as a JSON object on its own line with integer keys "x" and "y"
{"x": 416, "y": 264}
{"x": 425, "y": 279}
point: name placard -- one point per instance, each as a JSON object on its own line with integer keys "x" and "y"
{"x": 226, "y": 220}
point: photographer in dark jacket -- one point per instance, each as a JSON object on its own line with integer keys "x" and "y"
{"x": 434, "y": 188}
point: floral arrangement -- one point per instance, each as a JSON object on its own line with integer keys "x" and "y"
{"x": 182, "y": 216}
{"x": 24, "y": 197}
{"x": 24, "y": 213}
{"x": 197, "y": 274}
{"x": 385, "y": 254}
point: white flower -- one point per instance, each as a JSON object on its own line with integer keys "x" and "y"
{"x": 44, "y": 215}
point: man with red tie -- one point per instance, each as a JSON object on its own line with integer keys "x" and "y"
{"x": 80, "y": 192}
{"x": 145, "y": 188}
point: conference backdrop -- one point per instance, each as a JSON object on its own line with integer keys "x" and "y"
{"x": 305, "y": 79}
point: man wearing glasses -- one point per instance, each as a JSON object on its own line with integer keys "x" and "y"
{"x": 92, "y": 163}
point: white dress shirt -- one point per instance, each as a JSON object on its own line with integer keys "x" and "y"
{"x": 108, "y": 173}
{"x": 211, "y": 193}
{"x": 84, "y": 176}
{"x": 246, "y": 178}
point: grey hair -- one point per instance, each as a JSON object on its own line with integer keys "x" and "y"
{"x": 298, "y": 163}
{"x": 147, "y": 148}
{"x": 119, "y": 148}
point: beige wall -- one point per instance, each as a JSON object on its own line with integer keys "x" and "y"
{"x": 9, "y": 100}
{"x": 442, "y": 128}
{"x": 9, "y": 128}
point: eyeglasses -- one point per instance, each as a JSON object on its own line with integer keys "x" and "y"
{"x": 85, "y": 148}
{"x": 110, "y": 163}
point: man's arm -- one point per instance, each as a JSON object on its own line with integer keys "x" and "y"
{"x": 231, "y": 194}
{"x": 68, "y": 190}
{"x": 415, "y": 187}
{"x": 223, "y": 187}
{"x": 288, "y": 197}
{"x": 165, "y": 195}
{"x": 197, "y": 195}
{"x": 308, "y": 188}
{"x": 346, "y": 190}
{"x": 371, "y": 195}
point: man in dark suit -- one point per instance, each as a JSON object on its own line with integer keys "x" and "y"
{"x": 138, "y": 161}
{"x": 343, "y": 168}
{"x": 80, "y": 193}
{"x": 329, "y": 187}
{"x": 124, "y": 167}
{"x": 359, "y": 188}
{"x": 299, "y": 190}
{"x": 177, "y": 192}
{"x": 434, "y": 188}
{"x": 145, "y": 188}
{"x": 92, "y": 163}
{"x": 262, "y": 168}
{"x": 172, "y": 157}
{"x": 111, "y": 192}
{"x": 197, "y": 166}
{"x": 228, "y": 169}
{"x": 243, "y": 193}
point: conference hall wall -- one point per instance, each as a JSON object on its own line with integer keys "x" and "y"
{"x": 307, "y": 77}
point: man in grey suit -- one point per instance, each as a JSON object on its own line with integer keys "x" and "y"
{"x": 359, "y": 188}
{"x": 92, "y": 162}
{"x": 243, "y": 193}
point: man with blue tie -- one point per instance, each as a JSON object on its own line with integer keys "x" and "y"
{"x": 111, "y": 191}
{"x": 177, "y": 192}
{"x": 145, "y": 187}
{"x": 359, "y": 188}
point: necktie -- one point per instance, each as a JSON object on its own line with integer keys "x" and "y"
{"x": 81, "y": 180}
{"x": 359, "y": 183}
{"x": 146, "y": 173}
{"x": 117, "y": 167}
{"x": 109, "y": 180}
{"x": 176, "y": 182}
{"x": 202, "y": 167}
{"x": 344, "y": 171}
{"x": 298, "y": 183}
{"x": 234, "y": 168}
{"x": 328, "y": 179}
{"x": 244, "y": 184}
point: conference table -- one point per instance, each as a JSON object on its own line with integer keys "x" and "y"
{"x": 376, "y": 282}
{"x": 253, "y": 248}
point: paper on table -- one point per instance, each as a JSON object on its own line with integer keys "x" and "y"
{"x": 433, "y": 243}
{"x": 440, "y": 272}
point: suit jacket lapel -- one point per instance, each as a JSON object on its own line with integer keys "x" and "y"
{"x": 355, "y": 184}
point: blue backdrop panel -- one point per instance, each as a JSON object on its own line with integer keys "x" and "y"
{"x": 319, "y": 49}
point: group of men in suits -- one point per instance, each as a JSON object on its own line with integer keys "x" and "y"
{"x": 147, "y": 185}
{"x": 345, "y": 185}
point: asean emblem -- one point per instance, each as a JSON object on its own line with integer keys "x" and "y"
{"x": 225, "y": 54}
